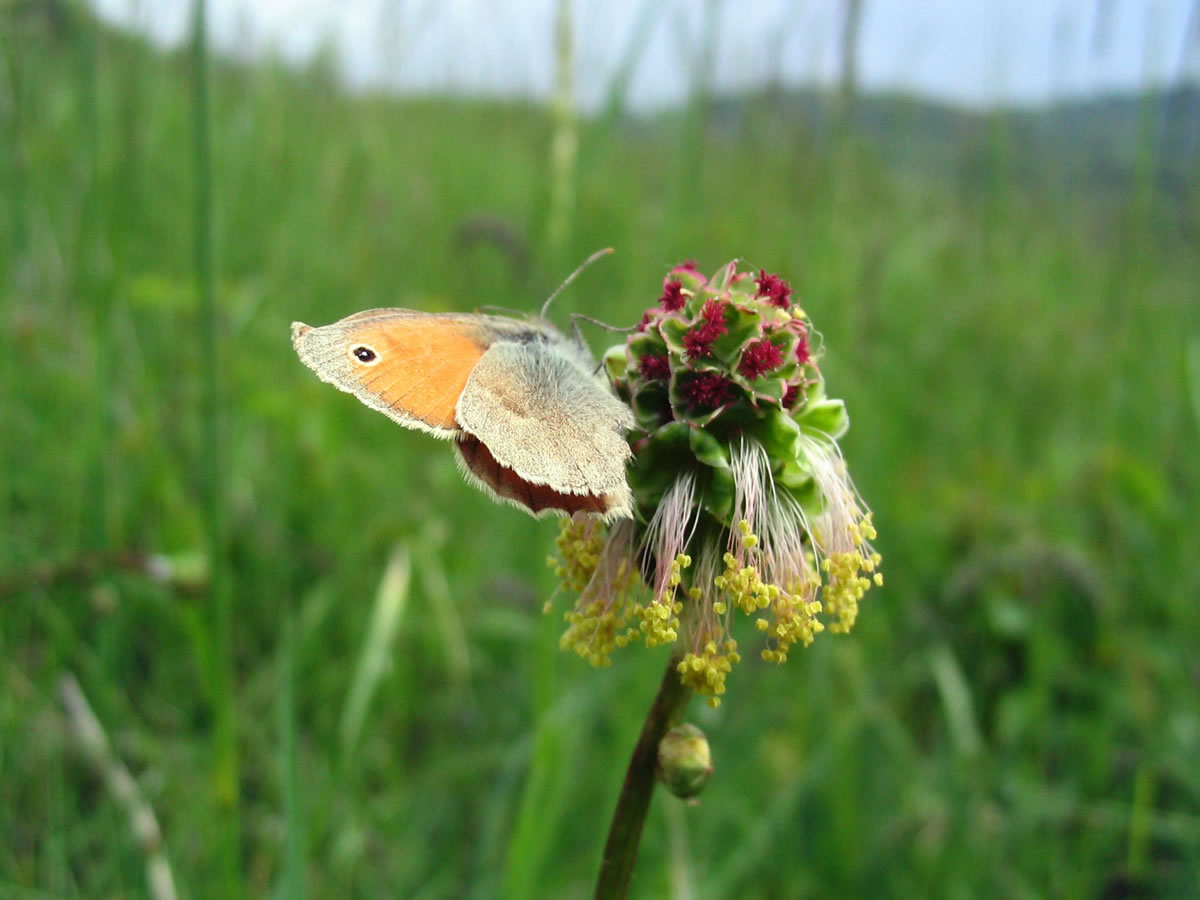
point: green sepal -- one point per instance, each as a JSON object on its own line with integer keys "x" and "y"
{"x": 816, "y": 391}
{"x": 794, "y": 475}
{"x": 765, "y": 388}
{"x": 740, "y": 416}
{"x": 744, "y": 325}
{"x": 801, "y": 486}
{"x": 651, "y": 405}
{"x": 707, "y": 449}
{"x": 623, "y": 391}
{"x": 668, "y": 454}
{"x": 717, "y": 493}
{"x": 673, "y": 328}
{"x": 826, "y": 416}
{"x": 692, "y": 281}
{"x": 762, "y": 392}
{"x": 692, "y": 304}
{"x": 715, "y": 486}
{"x": 779, "y": 434}
{"x": 655, "y": 464}
{"x": 648, "y": 343}
{"x": 616, "y": 362}
{"x": 722, "y": 277}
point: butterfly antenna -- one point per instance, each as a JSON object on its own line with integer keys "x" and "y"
{"x": 577, "y": 317}
{"x": 587, "y": 262}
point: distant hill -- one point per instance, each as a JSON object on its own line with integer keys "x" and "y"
{"x": 1106, "y": 140}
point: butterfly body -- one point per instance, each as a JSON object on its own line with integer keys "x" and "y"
{"x": 533, "y": 424}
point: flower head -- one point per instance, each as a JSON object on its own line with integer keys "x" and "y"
{"x": 744, "y": 507}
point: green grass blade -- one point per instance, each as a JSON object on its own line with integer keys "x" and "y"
{"x": 226, "y": 776}
{"x": 391, "y": 601}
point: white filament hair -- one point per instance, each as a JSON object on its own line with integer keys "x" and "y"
{"x": 774, "y": 516}
{"x": 671, "y": 528}
{"x": 841, "y": 504}
{"x": 608, "y": 580}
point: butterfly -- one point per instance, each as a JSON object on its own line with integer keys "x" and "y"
{"x": 533, "y": 423}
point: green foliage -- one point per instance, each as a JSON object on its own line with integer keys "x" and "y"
{"x": 1014, "y": 714}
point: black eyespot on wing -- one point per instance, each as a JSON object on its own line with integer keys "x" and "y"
{"x": 364, "y": 354}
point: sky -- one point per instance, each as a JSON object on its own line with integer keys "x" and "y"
{"x": 973, "y": 53}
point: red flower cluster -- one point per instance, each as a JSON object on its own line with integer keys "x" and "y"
{"x": 759, "y": 358}
{"x": 673, "y": 298}
{"x": 655, "y": 367}
{"x": 714, "y": 314}
{"x": 698, "y": 341}
{"x": 697, "y": 344}
{"x": 774, "y": 288}
{"x": 707, "y": 390}
{"x": 803, "y": 352}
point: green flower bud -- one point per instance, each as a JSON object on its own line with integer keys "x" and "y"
{"x": 684, "y": 761}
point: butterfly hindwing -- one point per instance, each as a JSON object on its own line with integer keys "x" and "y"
{"x": 541, "y": 413}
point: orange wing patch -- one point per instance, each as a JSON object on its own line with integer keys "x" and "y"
{"x": 423, "y": 366}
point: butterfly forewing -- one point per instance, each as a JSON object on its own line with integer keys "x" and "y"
{"x": 409, "y": 366}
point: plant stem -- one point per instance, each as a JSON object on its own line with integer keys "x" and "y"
{"x": 625, "y": 832}
{"x": 565, "y": 143}
{"x": 125, "y": 790}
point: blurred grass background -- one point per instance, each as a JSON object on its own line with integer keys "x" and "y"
{"x": 338, "y": 680}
